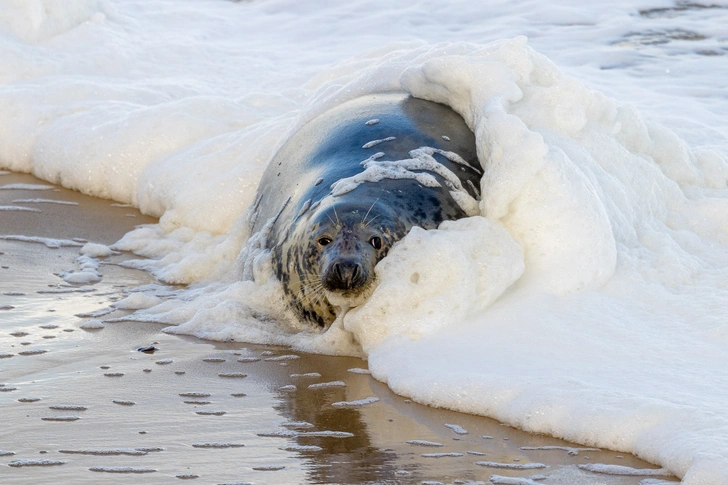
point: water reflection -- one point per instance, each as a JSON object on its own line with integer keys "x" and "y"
{"x": 352, "y": 459}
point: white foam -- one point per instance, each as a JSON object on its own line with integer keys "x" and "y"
{"x": 211, "y": 413}
{"x": 313, "y": 375}
{"x": 96, "y": 250}
{"x": 568, "y": 449}
{"x": 87, "y": 272}
{"x": 373, "y": 143}
{"x": 457, "y": 429}
{"x": 35, "y": 20}
{"x": 302, "y": 448}
{"x": 441, "y": 455}
{"x": 511, "y": 466}
{"x": 415, "y": 168}
{"x": 279, "y": 358}
{"x": 600, "y": 248}
{"x": 18, "y": 208}
{"x": 93, "y": 325}
{"x": 476, "y": 261}
{"x": 25, "y": 187}
{"x": 136, "y": 301}
{"x": 297, "y": 424}
{"x": 283, "y": 433}
{"x": 43, "y": 201}
{"x": 249, "y": 359}
{"x": 22, "y": 463}
{"x": 326, "y": 385}
{"x": 49, "y": 242}
{"x": 355, "y": 404}
{"x": 217, "y": 445}
{"x": 501, "y": 480}
{"x": 358, "y": 370}
{"x": 107, "y": 452}
{"x": 625, "y": 470}
{"x": 423, "y": 443}
{"x": 327, "y": 434}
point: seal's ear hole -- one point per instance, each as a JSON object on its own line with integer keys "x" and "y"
{"x": 324, "y": 240}
{"x": 376, "y": 242}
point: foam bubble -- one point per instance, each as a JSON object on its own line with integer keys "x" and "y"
{"x": 423, "y": 443}
{"x": 625, "y": 470}
{"x": 355, "y": 404}
{"x": 511, "y": 466}
{"x": 93, "y": 324}
{"x": 23, "y": 463}
{"x": 17, "y": 208}
{"x": 136, "y": 301}
{"x": 95, "y": 250}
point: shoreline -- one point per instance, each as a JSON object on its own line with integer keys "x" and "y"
{"x": 184, "y": 409}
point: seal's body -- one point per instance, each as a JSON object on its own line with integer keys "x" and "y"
{"x": 352, "y": 182}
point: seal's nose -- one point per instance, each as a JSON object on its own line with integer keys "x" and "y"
{"x": 346, "y": 274}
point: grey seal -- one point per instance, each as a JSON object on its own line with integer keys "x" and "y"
{"x": 352, "y": 182}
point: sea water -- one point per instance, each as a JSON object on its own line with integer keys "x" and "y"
{"x": 588, "y": 298}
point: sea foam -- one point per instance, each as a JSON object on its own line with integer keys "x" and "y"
{"x": 586, "y": 299}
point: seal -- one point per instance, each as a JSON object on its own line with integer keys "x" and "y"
{"x": 352, "y": 182}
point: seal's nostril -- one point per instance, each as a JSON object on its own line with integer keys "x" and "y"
{"x": 345, "y": 275}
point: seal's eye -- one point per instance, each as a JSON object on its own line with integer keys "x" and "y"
{"x": 376, "y": 242}
{"x": 324, "y": 240}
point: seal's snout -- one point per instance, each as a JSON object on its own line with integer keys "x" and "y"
{"x": 346, "y": 275}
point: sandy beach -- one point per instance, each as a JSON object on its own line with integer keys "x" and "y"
{"x": 86, "y": 406}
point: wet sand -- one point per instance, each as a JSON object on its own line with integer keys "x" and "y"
{"x": 85, "y": 406}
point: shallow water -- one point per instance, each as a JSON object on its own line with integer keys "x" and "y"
{"x": 101, "y": 409}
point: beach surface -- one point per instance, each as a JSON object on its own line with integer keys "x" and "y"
{"x": 84, "y": 405}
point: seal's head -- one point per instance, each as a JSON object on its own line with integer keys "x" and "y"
{"x": 350, "y": 240}
{"x": 332, "y": 261}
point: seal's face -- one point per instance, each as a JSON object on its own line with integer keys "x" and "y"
{"x": 348, "y": 242}
{"x": 328, "y": 258}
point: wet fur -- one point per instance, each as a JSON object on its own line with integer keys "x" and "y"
{"x": 330, "y": 148}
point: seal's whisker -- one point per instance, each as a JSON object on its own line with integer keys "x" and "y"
{"x": 316, "y": 283}
{"x": 373, "y": 219}
{"x": 316, "y": 291}
{"x": 337, "y": 216}
{"x": 363, "y": 221}
{"x": 319, "y": 294}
